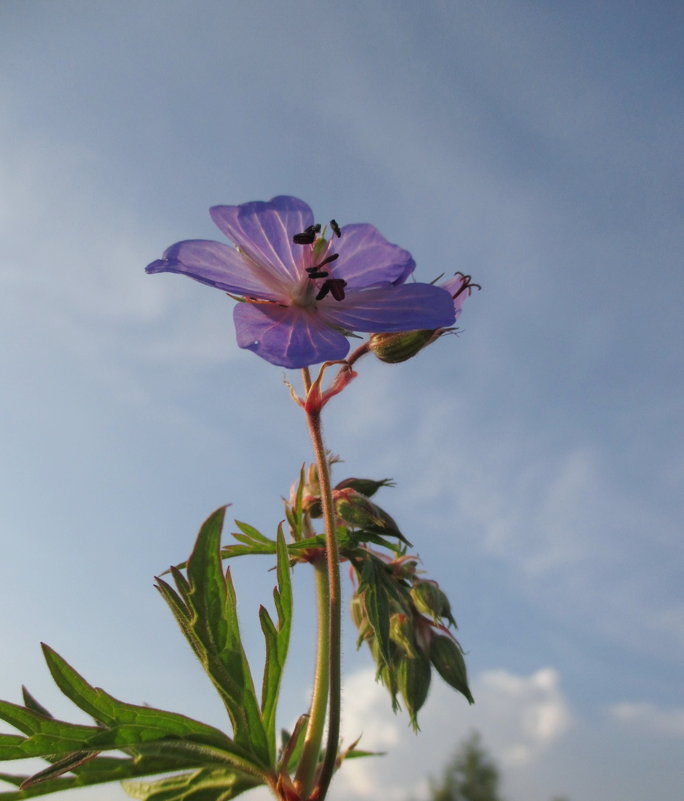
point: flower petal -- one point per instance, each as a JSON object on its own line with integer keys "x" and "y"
{"x": 408, "y": 307}
{"x": 265, "y": 230}
{"x": 366, "y": 258}
{"x": 217, "y": 265}
{"x": 452, "y": 286}
{"x": 287, "y": 336}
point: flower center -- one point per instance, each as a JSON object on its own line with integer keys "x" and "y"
{"x": 318, "y": 284}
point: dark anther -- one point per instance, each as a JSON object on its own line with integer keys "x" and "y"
{"x": 335, "y": 286}
{"x": 329, "y": 258}
{"x": 335, "y": 227}
{"x": 316, "y": 272}
{"x": 307, "y": 236}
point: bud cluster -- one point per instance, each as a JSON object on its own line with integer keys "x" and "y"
{"x": 403, "y": 617}
{"x": 405, "y": 621}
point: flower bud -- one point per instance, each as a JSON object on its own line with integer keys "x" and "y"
{"x": 403, "y": 345}
{"x": 401, "y": 633}
{"x": 447, "y": 657}
{"x": 413, "y": 678}
{"x": 360, "y": 618}
{"x": 361, "y": 513}
{"x": 430, "y": 601}
{"x": 366, "y": 486}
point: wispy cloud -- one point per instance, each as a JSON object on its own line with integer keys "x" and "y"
{"x": 650, "y": 718}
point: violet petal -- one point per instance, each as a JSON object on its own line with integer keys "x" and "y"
{"x": 217, "y": 265}
{"x": 367, "y": 258}
{"x": 265, "y": 230}
{"x": 287, "y": 336}
{"x": 452, "y": 286}
{"x": 407, "y": 307}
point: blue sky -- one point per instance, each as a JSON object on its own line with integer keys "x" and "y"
{"x": 538, "y": 455}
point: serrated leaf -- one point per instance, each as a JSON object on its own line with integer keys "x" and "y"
{"x": 214, "y": 624}
{"x": 97, "y": 771}
{"x": 293, "y": 745}
{"x": 277, "y": 641}
{"x": 31, "y": 703}
{"x": 201, "y": 785}
{"x": 252, "y": 533}
{"x": 66, "y": 765}
{"x": 123, "y": 717}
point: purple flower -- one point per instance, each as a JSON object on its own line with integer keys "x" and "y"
{"x": 301, "y": 293}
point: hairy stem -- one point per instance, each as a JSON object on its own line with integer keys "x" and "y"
{"x": 329, "y": 648}
{"x": 306, "y": 770}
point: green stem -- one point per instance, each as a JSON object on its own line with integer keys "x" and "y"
{"x": 327, "y": 685}
{"x": 334, "y": 607}
{"x": 306, "y": 770}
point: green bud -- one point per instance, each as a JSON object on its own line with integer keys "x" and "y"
{"x": 401, "y": 633}
{"x": 429, "y": 600}
{"x": 313, "y": 507}
{"x": 385, "y": 673}
{"x": 398, "y": 347}
{"x": 360, "y": 618}
{"x": 361, "y": 513}
{"x": 447, "y": 657}
{"x": 366, "y": 486}
{"x": 413, "y": 678}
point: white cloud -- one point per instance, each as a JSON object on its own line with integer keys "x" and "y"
{"x": 519, "y": 717}
{"x": 647, "y": 717}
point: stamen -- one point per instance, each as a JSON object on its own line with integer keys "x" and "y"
{"x": 328, "y": 259}
{"x": 316, "y": 272}
{"x": 336, "y": 228}
{"x": 308, "y": 235}
{"x": 335, "y": 286}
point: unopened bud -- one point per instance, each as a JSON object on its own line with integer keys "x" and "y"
{"x": 413, "y": 678}
{"x": 400, "y": 346}
{"x": 429, "y": 600}
{"x": 366, "y": 486}
{"x": 360, "y": 618}
{"x": 361, "y": 513}
{"x": 447, "y": 657}
{"x": 401, "y": 633}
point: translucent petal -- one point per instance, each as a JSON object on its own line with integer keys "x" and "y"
{"x": 265, "y": 230}
{"x": 366, "y": 258}
{"x": 220, "y": 266}
{"x": 407, "y": 307}
{"x": 287, "y": 336}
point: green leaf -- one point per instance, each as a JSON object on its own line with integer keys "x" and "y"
{"x": 213, "y": 623}
{"x": 295, "y": 513}
{"x": 252, "y": 533}
{"x": 66, "y": 765}
{"x": 31, "y": 703}
{"x": 292, "y": 745}
{"x": 46, "y": 736}
{"x": 277, "y": 642}
{"x": 207, "y": 784}
{"x": 147, "y": 723}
